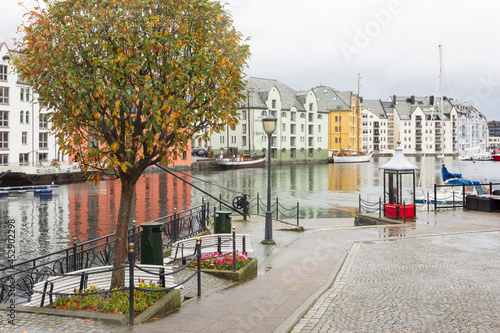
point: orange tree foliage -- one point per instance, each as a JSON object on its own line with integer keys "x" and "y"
{"x": 129, "y": 82}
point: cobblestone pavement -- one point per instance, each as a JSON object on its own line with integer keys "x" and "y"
{"x": 430, "y": 284}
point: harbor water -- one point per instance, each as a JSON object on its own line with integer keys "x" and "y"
{"x": 46, "y": 224}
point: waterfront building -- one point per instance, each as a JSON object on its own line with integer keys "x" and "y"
{"x": 494, "y": 135}
{"x": 301, "y": 131}
{"x": 472, "y": 128}
{"x": 375, "y": 126}
{"x": 25, "y": 139}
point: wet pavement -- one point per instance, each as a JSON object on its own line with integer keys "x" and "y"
{"x": 439, "y": 273}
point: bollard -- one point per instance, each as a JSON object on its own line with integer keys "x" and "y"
{"x": 380, "y": 206}
{"x": 258, "y": 202}
{"x": 234, "y": 248}
{"x": 131, "y": 262}
{"x": 198, "y": 264}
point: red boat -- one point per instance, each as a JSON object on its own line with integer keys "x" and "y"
{"x": 496, "y": 155}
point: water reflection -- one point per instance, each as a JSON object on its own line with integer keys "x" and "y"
{"x": 88, "y": 211}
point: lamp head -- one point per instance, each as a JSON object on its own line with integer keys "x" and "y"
{"x": 269, "y": 123}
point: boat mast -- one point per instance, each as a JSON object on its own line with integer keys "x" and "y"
{"x": 441, "y": 92}
{"x": 358, "y": 118}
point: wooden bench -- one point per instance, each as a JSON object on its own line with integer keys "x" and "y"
{"x": 67, "y": 284}
{"x": 221, "y": 243}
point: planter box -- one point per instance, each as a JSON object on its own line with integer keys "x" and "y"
{"x": 241, "y": 275}
{"x": 168, "y": 303}
{"x": 391, "y": 210}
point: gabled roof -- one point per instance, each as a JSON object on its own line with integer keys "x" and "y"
{"x": 259, "y": 92}
{"x": 329, "y": 99}
{"x": 374, "y": 106}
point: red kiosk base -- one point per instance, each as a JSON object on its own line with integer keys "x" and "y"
{"x": 391, "y": 210}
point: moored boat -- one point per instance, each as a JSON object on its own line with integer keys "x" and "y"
{"x": 350, "y": 156}
{"x": 241, "y": 162}
{"x": 496, "y": 155}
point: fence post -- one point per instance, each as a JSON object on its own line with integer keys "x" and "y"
{"x": 435, "y": 197}
{"x": 203, "y": 216}
{"x": 277, "y": 208}
{"x": 297, "y": 211}
{"x": 428, "y": 201}
{"x": 359, "y": 203}
{"x": 175, "y": 227}
{"x": 463, "y": 195}
{"x": 379, "y": 206}
{"x": 404, "y": 211}
{"x": 75, "y": 240}
{"x": 220, "y": 201}
{"x": 131, "y": 262}
{"x": 198, "y": 264}
{"x": 258, "y": 202}
{"x": 234, "y": 248}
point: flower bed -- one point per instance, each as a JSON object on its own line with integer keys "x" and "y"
{"x": 217, "y": 261}
{"x": 111, "y": 302}
{"x": 222, "y": 266}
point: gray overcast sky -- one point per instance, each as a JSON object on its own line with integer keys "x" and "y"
{"x": 392, "y": 44}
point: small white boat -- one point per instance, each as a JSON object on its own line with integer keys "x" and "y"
{"x": 350, "y": 156}
{"x": 241, "y": 162}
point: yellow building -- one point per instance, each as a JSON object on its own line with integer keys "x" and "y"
{"x": 344, "y": 118}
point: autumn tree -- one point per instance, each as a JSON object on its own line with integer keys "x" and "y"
{"x": 129, "y": 82}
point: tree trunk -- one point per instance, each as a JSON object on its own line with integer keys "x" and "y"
{"x": 121, "y": 244}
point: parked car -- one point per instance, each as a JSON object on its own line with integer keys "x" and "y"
{"x": 203, "y": 153}
{"x": 196, "y": 150}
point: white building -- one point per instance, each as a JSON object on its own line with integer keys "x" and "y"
{"x": 301, "y": 130}
{"x": 24, "y": 132}
{"x": 374, "y": 125}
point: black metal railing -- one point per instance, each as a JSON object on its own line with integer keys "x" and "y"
{"x": 48, "y": 293}
{"x": 257, "y": 205}
{"x": 99, "y": 251}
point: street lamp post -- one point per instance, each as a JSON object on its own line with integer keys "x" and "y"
{"x": 269, "y": 123}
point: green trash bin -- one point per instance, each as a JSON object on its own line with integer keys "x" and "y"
{"x": 222, "y": 222}
{"x": 152, "y": 244}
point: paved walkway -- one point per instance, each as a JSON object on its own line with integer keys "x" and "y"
{"x": 438, "y": 274}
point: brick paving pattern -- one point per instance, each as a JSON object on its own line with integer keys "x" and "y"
{"x": 434, "y": 284}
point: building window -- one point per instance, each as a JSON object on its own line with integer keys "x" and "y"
{"x": 24, "y": 159}
{"x": 21, "y": 117}
{"x": 4, "y": 95}
{"x": 42, "y": 157}
{"x": 302, "y": 128}
{"x": 4, "y": 118}
{"x": 27, "y": 117}
{"x": 3, "y": 72}
{"x": 244, "y": 128}
{"x": 4, "y": 159}
{"x": 24, "y": 138}
{"x": 221, "y": 139}
{"x": 21, "y": 94}
{"x": 293, "y": 115}
{"x": 243, "y": 115}
{"x": 243, "y": 140}
{"x": 319, "y": 128}
{"x": 263, "y": 113}
{"x": 311, "y": 116}
{"x": 273, "y": 104}
{"x": 43, "y": 121}
{"x": 4, "y": 139}
{"x": 284, "y": 127}
{"x": 43, "y": 139}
